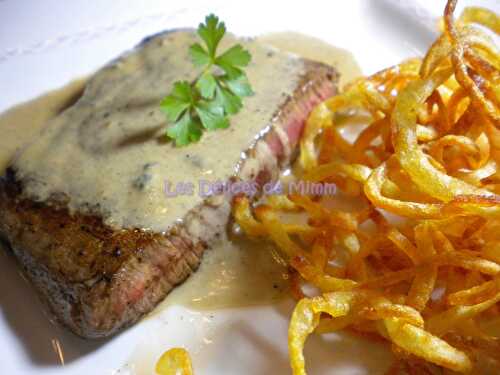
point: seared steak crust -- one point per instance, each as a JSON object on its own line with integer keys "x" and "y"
{"x": 98, "y": 280}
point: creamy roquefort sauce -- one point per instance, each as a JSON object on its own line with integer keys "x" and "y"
{"x": 108, "y": 152}
{"x": 236, "y": 272}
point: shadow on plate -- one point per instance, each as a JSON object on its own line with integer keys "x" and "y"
{"x": 406, "y": 24}
{"x": 244, "y": 345}
{"x": 342, "y": 352}
{"x": 46, "y": 343}
{"x": 247, "y": 348}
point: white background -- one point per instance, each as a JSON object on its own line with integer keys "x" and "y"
{"x": 44, "y": 43}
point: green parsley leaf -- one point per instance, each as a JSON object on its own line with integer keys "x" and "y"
{"x": 173, "y": 108}
{"x": 230, "y": 70}
{"x": 185, "y": 131}
{"x": 230, "y": 102}
{"x": 206, "y": 85}
{"x": 198, "y": 55}
{"x": 212, "y": 32}
{"x": 176, "y": 103}
{"x": 235, "y": 56}
{"x": 239, "y": 86}
{"x": 183, "y": 91}
{"x": 212, "y": 116}
{"x": 233, "y": 60}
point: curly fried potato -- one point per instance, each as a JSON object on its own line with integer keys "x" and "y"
{"x": 425, "y": 276}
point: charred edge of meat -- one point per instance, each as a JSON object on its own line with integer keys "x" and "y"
{"x": 98, "y": 280}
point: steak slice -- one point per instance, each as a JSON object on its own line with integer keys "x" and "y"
{"x": 98, "y": 279}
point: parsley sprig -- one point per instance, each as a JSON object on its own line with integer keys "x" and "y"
{"x": 216, "y": 93}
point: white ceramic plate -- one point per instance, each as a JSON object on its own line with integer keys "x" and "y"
{"x": 46, "y": 44}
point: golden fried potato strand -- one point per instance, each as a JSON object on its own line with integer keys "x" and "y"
{"x": 175, "y": 361}
{"x": 417, "y": 261}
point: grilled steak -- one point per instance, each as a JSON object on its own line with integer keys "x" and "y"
{"x": 99, "y": 274}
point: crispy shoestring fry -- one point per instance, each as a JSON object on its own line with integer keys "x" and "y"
{"x": 421, "y": 343}
{"x": 458, "y": 59}
{"x": 175, "y": 361}
{"x": 417, "y": 262}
